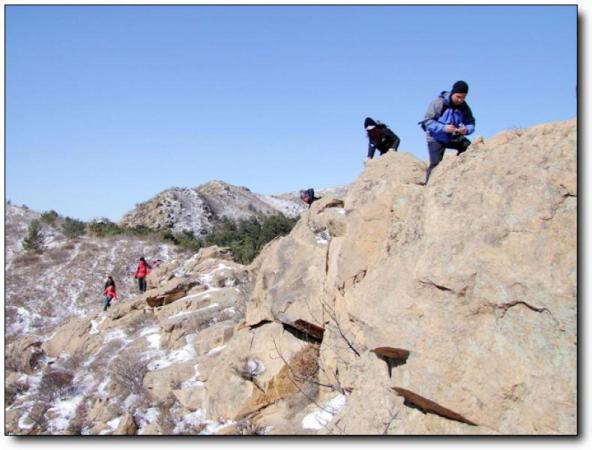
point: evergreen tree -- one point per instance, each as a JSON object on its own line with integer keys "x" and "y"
{"x": 73, "y": 228}
{"x": 34, "y": 239}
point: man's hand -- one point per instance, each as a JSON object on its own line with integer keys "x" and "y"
{"x": 450, "y": 128}
{"x": 462, "y": 130}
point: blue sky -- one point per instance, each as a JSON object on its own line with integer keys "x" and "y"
{"x": 108, "y": 105}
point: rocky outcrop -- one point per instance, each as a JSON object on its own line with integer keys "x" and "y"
{"x": 472, "y": 278}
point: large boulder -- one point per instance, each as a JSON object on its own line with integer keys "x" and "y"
{"x": 291, "y": 274}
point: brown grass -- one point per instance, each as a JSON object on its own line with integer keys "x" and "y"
{"x": 26, "y": 259}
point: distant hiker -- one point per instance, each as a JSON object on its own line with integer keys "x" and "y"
{"x": 308, "y": 196}
{"x": 109, "y": 293}
{"x": 141, "y": 272}
{"x": 380, "y": 137}
{"x": 447, "y": 121}
{"x": 109, "y": 282}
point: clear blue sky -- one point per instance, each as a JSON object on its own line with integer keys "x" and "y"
{"x": 108, "y": 105}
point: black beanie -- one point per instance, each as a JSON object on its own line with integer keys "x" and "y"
{"x": 460, "y": 87}
{"x": 369, "y": 122}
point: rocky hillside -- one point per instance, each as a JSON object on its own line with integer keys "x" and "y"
{"x": 396, "y": 309}
{"x": 200, "y": 208}
{"x": 66, "y": 280}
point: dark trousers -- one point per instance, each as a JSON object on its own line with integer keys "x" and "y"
{"x": 437, "y": 149}
{"x": 106, "y": 303}
{"x": 142, "y": 284}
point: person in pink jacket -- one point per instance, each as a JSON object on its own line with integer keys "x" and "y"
{"x": 110, "y": 293}
{"x": 141, "y": 272}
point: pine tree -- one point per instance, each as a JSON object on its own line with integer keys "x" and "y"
{"x": 34, "y": 240}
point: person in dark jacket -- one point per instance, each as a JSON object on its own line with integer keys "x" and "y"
{"x": 447, "y": 122}
{"x": 141, "y": 272}
{"x": 380, "y": 137}
{"x": 109, "y": 282}
{"x": 308, "y": 196}
{"x": 110, "y": 293}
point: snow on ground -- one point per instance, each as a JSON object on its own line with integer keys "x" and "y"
{"x": 112, "y": 424}
{"x": 146, "y": 417}
{"x": 205, "y": 295}
{"x": 102, "y": 388}
{"x": 150, "y": 330}
{"x": 130, "y": 400}
{"x": 193, "y": 381}
{"x": 207, "y": 278}
{"x": 153, "y": 340}
{"x": 320, "y": 418}
{"x": 181, "y": 355}
{"x": 190, "y": 420}
{"x": 185, "y": 313}
{"x": 117, "y": 334}
{"x": 214, "y": 427}
{"x": 215, "y": 350}
{"x": 65, "y": 410}
{"x": 323, "y": 237}
{"x": 94, "y": 325}
{"x": 23, "y": 322}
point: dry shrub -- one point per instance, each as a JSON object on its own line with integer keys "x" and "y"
{"x": 304, "y": 371}
{"x": 70, "y": 245}
{"x": 26, "y": 259}
{"x": 128, "y": 371}
{"x": 305, "y": 363}
{"x": 248, "y": 428}
{"x": 56, "y": 384}
{"x": 249, "y": 368}
{"x": 59, "y": 255}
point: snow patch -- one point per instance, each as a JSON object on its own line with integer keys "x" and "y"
{"x": 320, "y": 418}
{"x": 146, "y": 417}
{"x": 94, "y": 325}
{"x": 65, "y": 409}
{"x": 323, "y": 237}
{"x": 117, "y": 334}
{"x": 150, "y": 330}
{"x": 215, "y": 350}
{"x": 112, "y": 424}
{"x": 154, "y": 340}
{"x": 184, "y": 313}
{"x": 190, "y": 420}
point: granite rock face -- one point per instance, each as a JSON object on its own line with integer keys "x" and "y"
{"x": 472, "y": 276}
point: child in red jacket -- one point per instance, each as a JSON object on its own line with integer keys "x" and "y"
{"x": 110, "y": 293}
